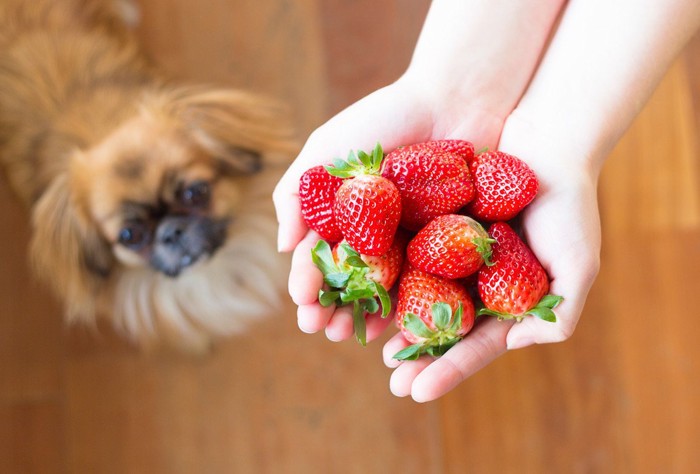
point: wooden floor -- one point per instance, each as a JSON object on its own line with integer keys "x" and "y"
{"x": 622, "y": 396}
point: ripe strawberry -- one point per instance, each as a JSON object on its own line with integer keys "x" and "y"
{"x": 317, "y": 190}
{"x": 358, "y": 279}
{"x": 432, "y": 312}
{"x": 461, "y": 148}
{"x": 504, "y": 186}
{"x": 367, "y": 206}
{"x": 433, "y": 179}
{"x": 516, "y": 284}
{"x": 451, "y": 246}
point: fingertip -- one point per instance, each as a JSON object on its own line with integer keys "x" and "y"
{"x": 391, "y": 347}
{"x": 340, "y": 327}
{"x": 305, "y": 280}
{"x": 401, "y": 381}
{"x": 312, "y": 318}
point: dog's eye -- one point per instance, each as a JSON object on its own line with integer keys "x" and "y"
{"x": 196, "y": 194}
{"x": 134, "y": 235}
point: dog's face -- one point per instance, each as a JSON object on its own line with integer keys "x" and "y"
{"x": 159, "y": 191}
{"x": 158, "y": 197}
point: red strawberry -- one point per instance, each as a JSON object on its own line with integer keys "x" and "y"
{"x": 317, "y": 190}
{"x": 431, "y": 179}
{"x": 461, "y": 148}
{"x": 451, "y": 246}
{"x": 367, "y": 206}
{"x": 504, "y": 186}
{"x": 358, "y": 279}
{"x": 516, "y": 284}
{"x": 432, "y": 312}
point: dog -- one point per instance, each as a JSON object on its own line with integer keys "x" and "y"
{"x": 150, "y": 200}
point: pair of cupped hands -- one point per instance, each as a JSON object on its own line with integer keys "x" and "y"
{"x": 561, "y": 226}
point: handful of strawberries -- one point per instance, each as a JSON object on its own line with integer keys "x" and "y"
{"x": 413, "y": 219}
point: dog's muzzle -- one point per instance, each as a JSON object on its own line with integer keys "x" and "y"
{"x": 182, "y": 240}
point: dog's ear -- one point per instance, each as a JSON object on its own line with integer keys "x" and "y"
{"x": 67, "y": 250}
{"x": 235, "y": 126}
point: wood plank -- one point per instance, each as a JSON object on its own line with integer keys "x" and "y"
{"x": 620, "y": 396}
{"x": 31, "y": 437}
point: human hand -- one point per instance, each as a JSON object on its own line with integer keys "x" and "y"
{"x": 562, "y": 228}
{"x": 396, "y": 115}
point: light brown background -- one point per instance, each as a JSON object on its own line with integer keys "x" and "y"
{"x": 622, "y": 396}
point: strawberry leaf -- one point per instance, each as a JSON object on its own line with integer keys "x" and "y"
{"x": 384, "y": 299}
{"x": 442, "y": 314}
{"x": 327, "y": 298}
{"x": 359, "y": 324}
{"x": 483, "y": 248}
{"x": 370, "y": 305}
{"x": 356, "y": 262}
{"x": 550, "y": 301}
{"x": 409, "y": 353}
{"x": 440, "y": 350}
{"x": 336, "y": 280}
{"x": 457, "y": 320}
{"x": 365, "y": 159}
{"x": 416, "y": 325}
{"x": 377, "y": 157}
{"x": 355, "y": 294}
{"x": 543, "y": 313}
{"x": 322, "y": 256}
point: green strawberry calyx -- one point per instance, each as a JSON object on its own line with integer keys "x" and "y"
{"x": 482, "y": 242}
{"x": 358, "y": 163}
{"x": 436, "y": 341}
{"x": 543, "y": 310}
{"x": 483, "y": 248}
{"x": 348, "y": 283}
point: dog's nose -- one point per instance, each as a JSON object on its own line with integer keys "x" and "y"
{"x": 171, "y": 230}
{"x": 181, "y": 240}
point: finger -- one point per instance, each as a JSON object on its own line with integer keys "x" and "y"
{"x": 376, "y": 326}
{"x": 311, "y": 318}
{"x": 574, "y": 286}
{"x": 285, "y": 197}
{"x": 480, "y": 347}
{"x": 340, "y": 326}
{"x": 392, "y": 346}
{"x": 572, "y": 259}
{"x": 305, "y": 280}
{"x": 401, "y": 381}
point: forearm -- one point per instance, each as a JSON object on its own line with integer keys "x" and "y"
{"x": 480, "y": 53}
{"x": 604, "y": 62}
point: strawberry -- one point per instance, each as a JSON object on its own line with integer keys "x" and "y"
{"x": 461, "y": 148}
{"x": 358, "y": 279}
{"x": 504, "y": 186}
{"x": 317, "y": 190}
{"x": 451, "y": 246}
{"x": 367, "y": 205}
{"x": 433, "y": 313}
{"x": 516, "y": 284}
{"x": 433, "y": 179}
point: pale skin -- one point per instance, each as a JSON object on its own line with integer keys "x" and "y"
{"x": 555, "y": 83}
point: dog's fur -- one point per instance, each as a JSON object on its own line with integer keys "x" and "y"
{"x": 92, "y": 135}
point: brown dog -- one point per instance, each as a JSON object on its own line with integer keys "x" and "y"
{"x": 150, "y": 202}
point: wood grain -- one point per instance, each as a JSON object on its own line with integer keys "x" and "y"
{"x": 620, "y": 396}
